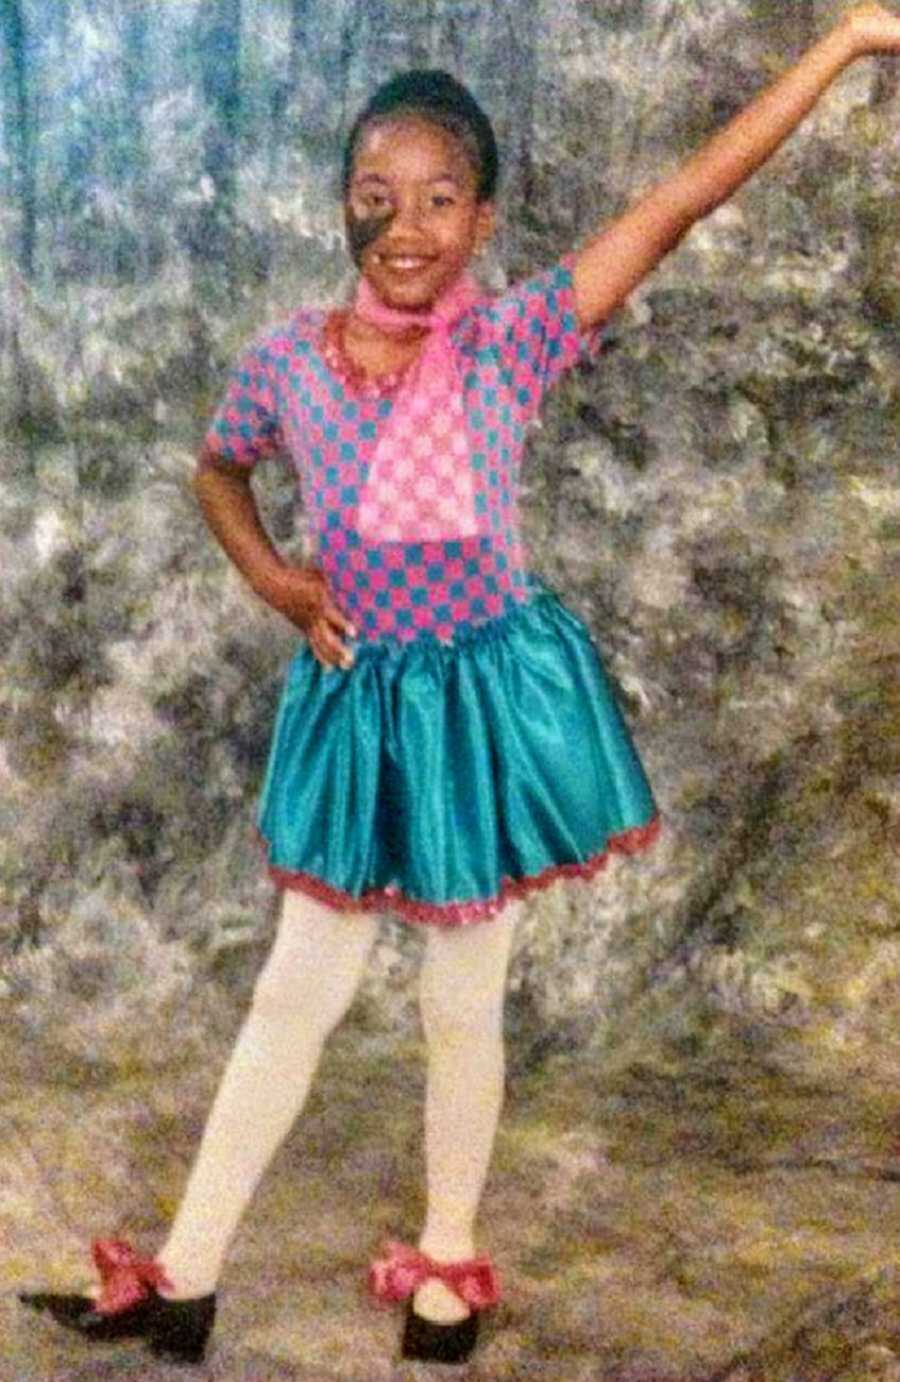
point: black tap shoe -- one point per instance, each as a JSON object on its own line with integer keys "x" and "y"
{"x": 173, "y": 1329}
{"x": 401, "y": 1269}
{"x": 430, "y": 1342}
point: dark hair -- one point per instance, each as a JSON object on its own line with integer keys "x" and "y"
{"x": 438, "y": 97}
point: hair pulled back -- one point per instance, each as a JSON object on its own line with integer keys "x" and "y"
{"x": 436, "y": 96}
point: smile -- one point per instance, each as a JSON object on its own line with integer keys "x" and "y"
{"x": 403, "y": 262}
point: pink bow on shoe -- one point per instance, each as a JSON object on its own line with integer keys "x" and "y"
{"x": 403, "y": 1269}
{"x": 125, "y": 1278}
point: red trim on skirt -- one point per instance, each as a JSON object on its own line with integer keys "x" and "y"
{"x": 391, "y": 899}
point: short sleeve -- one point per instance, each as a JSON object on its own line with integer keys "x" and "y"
{"x": 535, "y": 328}
{"x": 245, "y": 426}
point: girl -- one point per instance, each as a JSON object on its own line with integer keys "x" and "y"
{"x": 422, "y": 758}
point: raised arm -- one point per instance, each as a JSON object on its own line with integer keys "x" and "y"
{"x": 622, "y": 253}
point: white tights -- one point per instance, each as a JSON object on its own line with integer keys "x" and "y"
{"x": 302, "y": 993}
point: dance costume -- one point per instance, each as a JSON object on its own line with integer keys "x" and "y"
{"x": 474, "y": 751}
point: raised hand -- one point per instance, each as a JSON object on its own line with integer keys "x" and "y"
{"x": 623, "y": 252}
{"x": 871, "y": 28}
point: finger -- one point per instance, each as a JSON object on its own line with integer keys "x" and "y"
{"x": 320, "y": 653}
{"x": 323, "y": 643}
{"x": 331, "y": 646}
{"x": 338, "y": 619}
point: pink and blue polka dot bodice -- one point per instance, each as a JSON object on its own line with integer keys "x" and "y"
{"x": 295, "y": 391}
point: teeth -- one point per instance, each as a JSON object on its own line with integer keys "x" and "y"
{"x": 403, "y": 262}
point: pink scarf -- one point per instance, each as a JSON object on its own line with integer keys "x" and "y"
{"x": 420, "y": 485}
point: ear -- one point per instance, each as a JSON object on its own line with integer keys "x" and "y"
{"x": 485, "y": 224}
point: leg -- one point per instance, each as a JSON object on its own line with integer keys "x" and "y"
{"x": 302, "y": 993}
{"x": 463, "y": 983}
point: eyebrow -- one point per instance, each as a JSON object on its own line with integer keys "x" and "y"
{"x": 364, "y": 178}
{"x": 370, "y": 177}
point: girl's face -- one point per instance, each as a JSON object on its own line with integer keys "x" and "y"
{"x": 412, "y": 213}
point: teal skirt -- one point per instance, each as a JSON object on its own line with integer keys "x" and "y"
{"x": 436, "y": 781}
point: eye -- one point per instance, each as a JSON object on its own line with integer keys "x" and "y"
{"x": 370, "y": 201}
{"x": 442, "y": 199}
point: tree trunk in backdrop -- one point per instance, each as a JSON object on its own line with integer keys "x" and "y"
{"x": 22, "y": 131}
{"x": 218, "y": 52}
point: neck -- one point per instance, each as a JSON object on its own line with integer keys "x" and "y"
{"x": 371, "y": 329}
{"x": 410, "y": 323}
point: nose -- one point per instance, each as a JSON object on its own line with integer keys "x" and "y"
{"x": 407, "y": 216}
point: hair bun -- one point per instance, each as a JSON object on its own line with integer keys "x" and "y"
{"x": 439, "y": 97}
